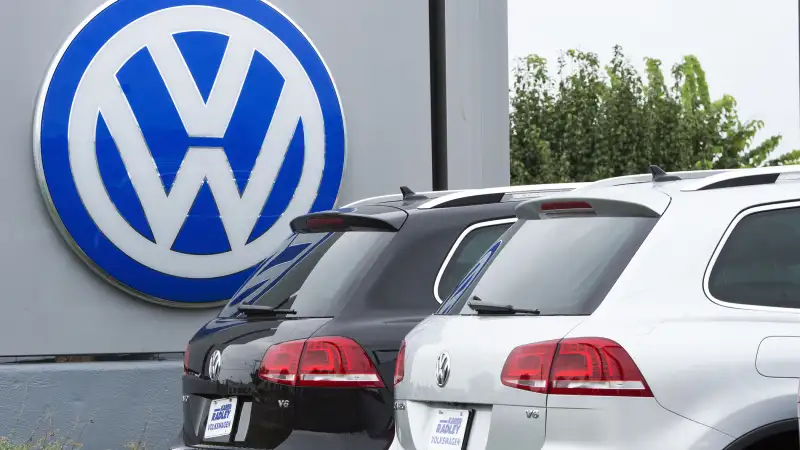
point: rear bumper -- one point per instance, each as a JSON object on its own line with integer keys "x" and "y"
{"x": 573, "y": 423}
{"x": 305, "y": 441}
{"x": 318, "y": 418}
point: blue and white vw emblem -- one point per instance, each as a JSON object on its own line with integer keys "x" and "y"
{"x": 176, "y": 139}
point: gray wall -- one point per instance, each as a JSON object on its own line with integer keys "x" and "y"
{"x": 477, "y": 93}
{"x": 102, "y": 405}
{"x": 378, "y": 53}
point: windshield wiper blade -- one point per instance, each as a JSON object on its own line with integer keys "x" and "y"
{"x": 482, "y": 307}
{"x": 263, "y": 310}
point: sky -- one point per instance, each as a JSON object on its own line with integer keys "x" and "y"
{"x": 749, "y": 49}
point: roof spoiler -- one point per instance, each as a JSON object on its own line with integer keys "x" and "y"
{"x": 638, "y": 204}
{"x": 372, "y": 218}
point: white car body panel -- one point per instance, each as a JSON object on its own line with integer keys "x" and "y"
{"x": 626, "y": 424}
{"x": 770, "y": 360}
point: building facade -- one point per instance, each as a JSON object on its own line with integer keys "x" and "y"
{"x": 123, "y": 230}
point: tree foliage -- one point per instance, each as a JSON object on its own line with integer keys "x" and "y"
{"x": 587, "y": 123}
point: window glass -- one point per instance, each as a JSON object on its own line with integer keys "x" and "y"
{"x": 562, "y": 266}
{"x": 760, "y": 261}
{"x": 316, "y": 266}
{"x": 326, "y": 290}
{"x": 469, "y": 250}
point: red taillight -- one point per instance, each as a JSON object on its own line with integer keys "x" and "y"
{"x": 561, "y": 206}
{"x": 186, "y": 360}
{"x": 575, "y": 366}
{"x": 528, "y": 366}
{"x": 400, "y": 364}
{"x": 320, "y": 362}
{"x": 336, "y": 361}
{"x": 280, "y": 363}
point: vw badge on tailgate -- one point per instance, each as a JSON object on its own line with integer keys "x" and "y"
{"x": 442, "y": 369}
{"x": 214, "y": 365}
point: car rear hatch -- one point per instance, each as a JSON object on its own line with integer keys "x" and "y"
{"x": 249, "y": 371}
{"x": 481, "y": 369}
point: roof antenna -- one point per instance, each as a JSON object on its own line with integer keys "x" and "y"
{"x": 659, "y": 174}
{"x": 409, "y": 195}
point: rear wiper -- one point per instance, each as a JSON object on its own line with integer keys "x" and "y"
{"x": 263, "y": 310}
{"x": 290, "y": 298}
{"x": 267, "y": 310}
{"x": 482, "y": 307}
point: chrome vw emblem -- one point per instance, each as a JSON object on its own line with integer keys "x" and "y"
{"x": 442, "y": 369}
{"x": 214, "y": 365}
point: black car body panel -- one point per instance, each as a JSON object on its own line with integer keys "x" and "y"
{"x": 374, "y": 300}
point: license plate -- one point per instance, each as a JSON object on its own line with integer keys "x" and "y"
{"x": 220, "y": 417}
{"x": 449, "y": 429}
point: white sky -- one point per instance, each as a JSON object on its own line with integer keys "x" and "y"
{"x": 748, "y": 48}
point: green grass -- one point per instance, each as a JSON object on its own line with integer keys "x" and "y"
{"x": 45, "y": 435}
{"x": 47, "y": 442}
{"x": 51, "y": 439}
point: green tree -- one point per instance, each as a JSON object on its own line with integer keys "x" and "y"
{"x": 590, "y": 122}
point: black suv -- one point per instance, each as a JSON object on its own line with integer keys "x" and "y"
{"x": 303, "y": 356}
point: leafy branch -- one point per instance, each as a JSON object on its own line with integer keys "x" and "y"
{"x": 589, "y": 122}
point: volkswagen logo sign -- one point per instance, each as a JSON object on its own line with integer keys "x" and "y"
{"x": 442, "y": 369}
{"x": 175, "y": 140}
{"x": 214, "y": 365}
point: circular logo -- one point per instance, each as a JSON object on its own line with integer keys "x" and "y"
{"x": 214, "y": 365}
{"x": 176, "y": 139}
{"x": 442, "y": 369}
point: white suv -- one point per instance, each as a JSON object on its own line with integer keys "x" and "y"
{"x": 644, "y": 312}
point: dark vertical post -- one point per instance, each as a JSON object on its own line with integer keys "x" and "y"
{"x": 438, "y": 63}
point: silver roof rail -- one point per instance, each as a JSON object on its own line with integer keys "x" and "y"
{"x": 647, "y": 177}
{"x": 393, "y": 197}
{"x": 746, "y": 177}
{"x": 511, "y": 193}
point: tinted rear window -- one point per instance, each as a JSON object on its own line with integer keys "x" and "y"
{"x": 560, "y": 266}
{"x": 319, "y": 267}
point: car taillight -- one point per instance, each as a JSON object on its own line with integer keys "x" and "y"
{"x": 400, "y": 364}
{"x": 528, "y": 366}
{"x": 575, "y": 366}
{"x": 280, "y": 363}
{"x": 336, "y": 361}
{"x": 319, "y": 362}
{"x": 186, "y": 360}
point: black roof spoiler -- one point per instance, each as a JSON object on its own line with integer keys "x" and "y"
{"x": 367, "y": 218}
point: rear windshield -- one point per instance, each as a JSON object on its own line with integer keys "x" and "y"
{"x": 319, "y": 267}
{"x": 560, "y": 266}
